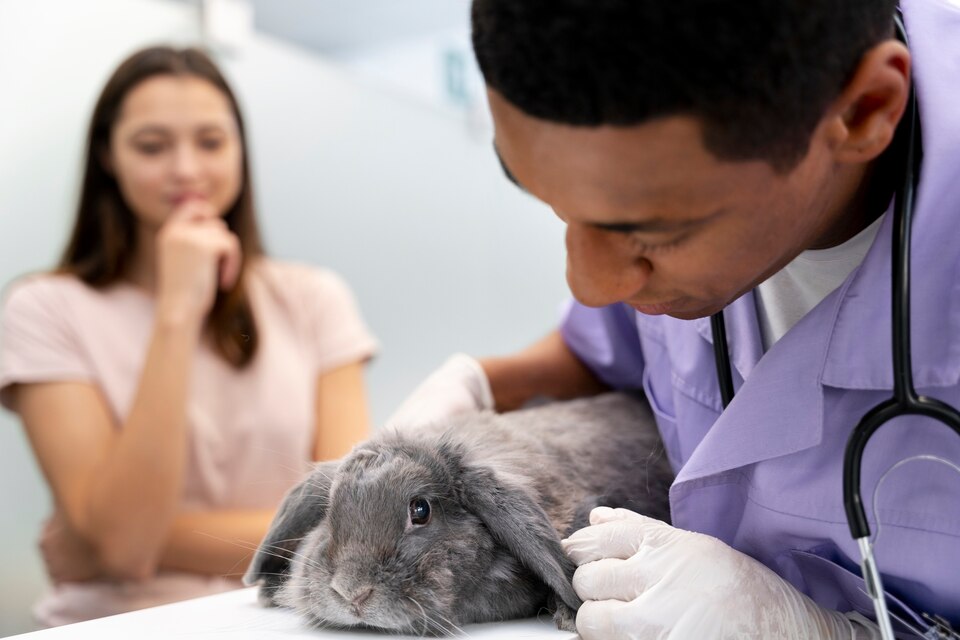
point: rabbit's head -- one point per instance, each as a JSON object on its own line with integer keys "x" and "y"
{"x": 411, "y": 536}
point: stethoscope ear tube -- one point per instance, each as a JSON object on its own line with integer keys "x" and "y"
{"x": 905, "y": 400}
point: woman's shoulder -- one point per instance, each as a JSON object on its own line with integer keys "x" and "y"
{"x": 64, "y": 297}
{"x": 315, "y": 298}
{"x": 290, "y": 269}
{"x": 46, "y": 288}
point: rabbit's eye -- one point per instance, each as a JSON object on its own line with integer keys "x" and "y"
{"x": 419, "y": 511}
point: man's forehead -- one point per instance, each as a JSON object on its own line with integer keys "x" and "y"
{"x": 657, "y": 157}
{"x": 658, "y": 173}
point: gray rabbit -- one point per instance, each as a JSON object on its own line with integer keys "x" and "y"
{"x": 420, "y": 530}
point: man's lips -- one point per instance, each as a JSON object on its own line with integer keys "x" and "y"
{"x": 656, "y": 309}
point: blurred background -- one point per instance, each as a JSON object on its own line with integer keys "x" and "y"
{"x": 372, "y": 155}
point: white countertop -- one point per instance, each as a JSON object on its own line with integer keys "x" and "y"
{"x": 237, "y": 616}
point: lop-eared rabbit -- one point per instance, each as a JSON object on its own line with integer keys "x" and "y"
{"x": 420, "y": 530}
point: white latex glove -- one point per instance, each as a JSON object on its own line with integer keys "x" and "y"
{"x": 458, "y": 386}
{"x": 640, "y": 578}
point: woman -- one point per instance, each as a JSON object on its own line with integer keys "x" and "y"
{"x": 172, "y": 380}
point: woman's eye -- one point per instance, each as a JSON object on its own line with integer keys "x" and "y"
{"x": 419, "y": 511}
{"x": 211, "y": 144}
{"x": 149, "y": 148}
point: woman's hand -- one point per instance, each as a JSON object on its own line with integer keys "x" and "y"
{"x": 196, "y": 255}
{"x": 67, "y": 556}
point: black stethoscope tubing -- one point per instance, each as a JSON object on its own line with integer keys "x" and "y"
{"x": 721, "y": 356}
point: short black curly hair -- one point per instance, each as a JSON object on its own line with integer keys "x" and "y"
{"x": 758, "y": 73}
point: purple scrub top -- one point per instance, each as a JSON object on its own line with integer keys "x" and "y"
{"x": 765, "y": 476}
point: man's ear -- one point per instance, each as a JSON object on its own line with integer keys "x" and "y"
{"x": 862, "y": 121}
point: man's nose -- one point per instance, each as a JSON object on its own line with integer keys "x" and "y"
{"x": 602, "y": 270}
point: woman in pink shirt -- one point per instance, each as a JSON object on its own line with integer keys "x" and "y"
{"x": 173, "y": 381}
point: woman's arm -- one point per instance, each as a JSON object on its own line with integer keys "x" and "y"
{"x": 219, "y": 543}
{"x": 222, "y": 542}
{"x": 207, "y": 542}
{"x": 117, "y": 488}
{"x": 216, "y": 543}
{"x": 342, "y": 418}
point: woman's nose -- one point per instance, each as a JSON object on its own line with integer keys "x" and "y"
{"x": 186, "y": 161}
{"x": 601, "y": 267}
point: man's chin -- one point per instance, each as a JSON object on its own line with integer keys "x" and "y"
{"x": 677, "y": 310}
{"x": 684, "y": 313}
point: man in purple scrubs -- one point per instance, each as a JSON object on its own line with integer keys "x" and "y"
{"x": 739, "y": 155}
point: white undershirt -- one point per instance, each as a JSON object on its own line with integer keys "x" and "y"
{"x": 792, "y": 292}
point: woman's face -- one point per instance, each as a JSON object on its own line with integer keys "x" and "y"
{"x": 175, "y": 139}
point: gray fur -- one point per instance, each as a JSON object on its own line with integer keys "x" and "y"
{"x": 503, "y": 489}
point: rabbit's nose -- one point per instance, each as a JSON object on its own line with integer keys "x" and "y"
{"x": 361, "y": 597}
{"x": 356, "y": 595}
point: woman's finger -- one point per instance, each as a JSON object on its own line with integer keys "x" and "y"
{"x": 231, "y": 262}
{"x": 194, "y": 209}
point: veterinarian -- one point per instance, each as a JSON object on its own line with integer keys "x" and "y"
{"x": 739, "y": 156}
{"x": 173, "y": 381}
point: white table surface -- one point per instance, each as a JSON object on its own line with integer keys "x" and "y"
{"x": 235, "y": 615}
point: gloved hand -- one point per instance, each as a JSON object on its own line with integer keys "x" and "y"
{"x": 640, "y": 578}
{"x": 458, "y": 386}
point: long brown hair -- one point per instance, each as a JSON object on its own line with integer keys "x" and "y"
{"x": 104, "y": 238}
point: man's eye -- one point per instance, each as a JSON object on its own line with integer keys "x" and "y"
{"x": 419, "y": 511}
{"x": 653, "y": 248}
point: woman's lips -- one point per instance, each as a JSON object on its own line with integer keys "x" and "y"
{"x": 180, "y": 198}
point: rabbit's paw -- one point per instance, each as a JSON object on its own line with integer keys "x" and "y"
{"x": 564, "y": 617}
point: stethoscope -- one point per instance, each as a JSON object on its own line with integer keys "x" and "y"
{"x": 905, "y": 400}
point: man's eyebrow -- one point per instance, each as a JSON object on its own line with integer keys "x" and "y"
{"x": 653, "y": 225}
{"x": 506, "y": 171}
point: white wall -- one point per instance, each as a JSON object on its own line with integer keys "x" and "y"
{"x": 406, "y": 201}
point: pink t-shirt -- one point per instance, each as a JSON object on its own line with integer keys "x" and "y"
{"x": 250, "y": 432}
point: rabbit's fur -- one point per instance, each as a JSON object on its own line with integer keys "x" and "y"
{"x": 348, "y": 547}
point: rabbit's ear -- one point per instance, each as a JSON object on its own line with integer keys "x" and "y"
{"x": 301, "y": 510}
{"x": 516, "y": 521}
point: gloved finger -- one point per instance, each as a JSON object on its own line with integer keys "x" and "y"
{"x": 609, "y": 620}
{"x": 599, "y": 515}
{"x": 608, "y": 540}
{"x": 616, "y": 539}
{"x": 611, "y": 579}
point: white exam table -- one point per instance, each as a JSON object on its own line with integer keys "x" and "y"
{"x": 235, "y": 615}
